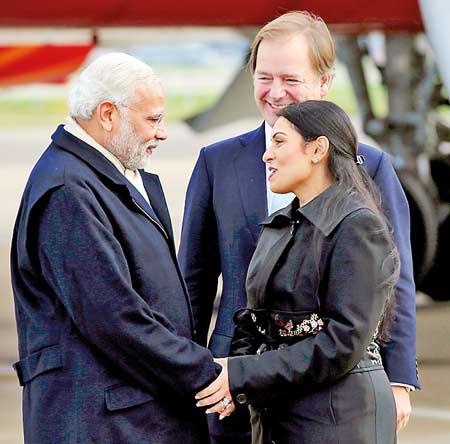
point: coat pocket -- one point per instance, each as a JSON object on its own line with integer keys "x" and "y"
{"x": 45, "y": 360}
{"x": 118, "y": 397}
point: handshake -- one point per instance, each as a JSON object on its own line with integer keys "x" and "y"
{"x": 217, "y": 396}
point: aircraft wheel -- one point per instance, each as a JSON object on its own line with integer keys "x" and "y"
{"x": 424, "y": 228}
{"x": 437, "y": 283}
{"x": 440, "y": 172}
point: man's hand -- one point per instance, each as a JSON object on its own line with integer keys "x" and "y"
{"x": 217, "y": 395}
{"x": 403, "y": 405}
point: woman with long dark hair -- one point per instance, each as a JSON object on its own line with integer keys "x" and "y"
{"x": 305, "y": 356}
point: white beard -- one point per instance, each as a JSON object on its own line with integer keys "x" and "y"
{"x": 128, "y": 147}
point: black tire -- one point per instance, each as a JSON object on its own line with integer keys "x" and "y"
{"x": 440, "y": 172}
{"x": 424, "y": 225}
{"x": 437, "y": 283}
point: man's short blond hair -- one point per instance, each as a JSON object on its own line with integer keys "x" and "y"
{"x": 320, "y": 43}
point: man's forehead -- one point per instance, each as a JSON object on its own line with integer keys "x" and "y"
{"x": 153, "y": 90}
{"x": 284, "y": 55}
{"x": 298, "y": 71}
{"x": 285, "y": 41}
{"x": 150, "y": 96}
{"x": 282, "y": 71}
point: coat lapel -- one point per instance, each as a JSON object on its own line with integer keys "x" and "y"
{"x": 158, "y": 201}
{"x": 251, "y": 175}
{"x": 279, "y": 243}
{"x": 143, "y": 205}
{"x": 279, "y": 229}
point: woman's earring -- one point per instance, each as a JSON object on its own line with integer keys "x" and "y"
{"x": 314, "y": 160}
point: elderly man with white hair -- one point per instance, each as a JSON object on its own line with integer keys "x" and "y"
{"x": 106, "y": 339}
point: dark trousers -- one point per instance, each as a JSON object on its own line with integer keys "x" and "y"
{"x": 234, "y": 429}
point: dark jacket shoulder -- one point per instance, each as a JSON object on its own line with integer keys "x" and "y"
{"x": 225, "y": 148}
{"x": 373, "y": 158}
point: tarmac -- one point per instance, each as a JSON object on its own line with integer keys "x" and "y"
{"x": 173, "y": 162}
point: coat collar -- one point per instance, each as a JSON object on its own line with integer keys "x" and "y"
{"x": 87, "y": 154}
{"x": 313, "y": 211}
{"x": 251, "y": 175}
{"x": 108, "y": 170}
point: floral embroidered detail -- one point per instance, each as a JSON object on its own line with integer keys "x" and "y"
{"x": 373, "y": 352}
{"x": 373, "y": 349}
{"x": 309, "y": 326}
{"x": 274, "y": 325}
{"x": 258, "y": 327}
{"x": 261, "y": 330}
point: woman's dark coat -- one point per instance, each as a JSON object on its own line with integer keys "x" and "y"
{"x": 327, "y": 385}
{"x": 104, "y": 321}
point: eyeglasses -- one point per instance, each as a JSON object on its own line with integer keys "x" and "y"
{"x": 154, "y": 121}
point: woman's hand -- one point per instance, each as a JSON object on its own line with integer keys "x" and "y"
{"x": 217, "y": 396}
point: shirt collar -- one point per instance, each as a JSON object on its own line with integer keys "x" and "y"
{"x": 72, "y": 127}
{"x": 267, "y": 134}
{"x": 313, "y": 211}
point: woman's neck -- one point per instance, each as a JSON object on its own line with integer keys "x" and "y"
{"x": 316, "y": 185}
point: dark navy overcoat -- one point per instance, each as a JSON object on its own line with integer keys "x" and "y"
{"x": 103, "y": 317}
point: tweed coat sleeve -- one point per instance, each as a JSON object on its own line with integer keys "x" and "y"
{"x": 84, "y": 263}
{"x": 352, "y": 305}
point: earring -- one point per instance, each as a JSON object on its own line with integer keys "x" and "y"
{"x": 314, "y": 160}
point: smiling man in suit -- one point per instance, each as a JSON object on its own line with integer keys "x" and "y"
{"x": 292, "y": 60}
{"x": 104, "y": 321}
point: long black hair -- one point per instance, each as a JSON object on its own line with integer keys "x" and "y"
{"x": 315, "y": 118}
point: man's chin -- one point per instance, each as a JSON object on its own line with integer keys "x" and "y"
{"x": 270, "y": 117}
{"x": 145, "y": 161}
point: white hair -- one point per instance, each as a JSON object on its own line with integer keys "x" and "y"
{"x": 112, "y": 77}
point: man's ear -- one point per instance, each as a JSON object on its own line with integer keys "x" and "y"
{"x": 322, "y": 147}
{"x": 106, "y": 113}
{"x": 325, "y": 83}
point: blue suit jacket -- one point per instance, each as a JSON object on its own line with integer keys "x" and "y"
{"x": 103, "y": 316}
{"x": 226, "y": 200}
